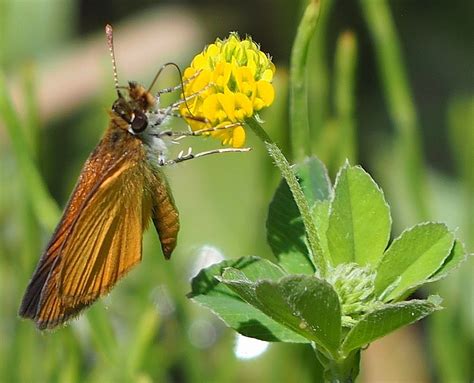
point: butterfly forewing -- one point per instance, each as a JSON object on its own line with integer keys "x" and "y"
{"x": 107, "y": 235}
{"x": 99, "y": 237}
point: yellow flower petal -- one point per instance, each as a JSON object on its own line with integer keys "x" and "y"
{"x": 243, "y": 107}
{"x": 212, "y": 50}
{"x": 211, "y": 108}
{"x": 267, "y": 75}
{"x": 200, "y": 82}
{"x": 245, "y": 80}
{"x": 227, "y": 102}
{"x": 238, "y": 137}
{"x": 222, "y": 74}
{"x": 265, "y": 92}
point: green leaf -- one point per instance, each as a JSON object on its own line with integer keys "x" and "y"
{"x": 388, "y": 318}
{"x": 305, "y": 304}
{"x": 312, "y": 300}
{"x": 320, "y": 212}
{"x": 412, "y": 258}
{"x": 314, "y": 180}
{"x": 359, "y": 222}
{"x": 285, "y": 229}
{"x": 457, "y": 256}
{"x": 237, "y": 314}
{"x": 44, "y": 206}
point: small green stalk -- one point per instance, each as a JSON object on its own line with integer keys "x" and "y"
{"x": 258, "y": 130}
{"x": 32, "y": 126}
{"x": 319, "y": 76}
{"x": 300, "y": 131}
{"x": 285, "y": 168}
{"x": 346, "y": 55}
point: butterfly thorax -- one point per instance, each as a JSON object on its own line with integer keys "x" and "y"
{"x": 138, "y": 112}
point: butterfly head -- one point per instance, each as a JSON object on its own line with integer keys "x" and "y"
{"x": 133, "y": 106}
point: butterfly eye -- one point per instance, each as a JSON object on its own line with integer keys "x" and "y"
{"x": 139, "y": 122}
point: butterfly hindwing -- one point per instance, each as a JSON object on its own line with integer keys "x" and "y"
{"x": 165, "y": 216}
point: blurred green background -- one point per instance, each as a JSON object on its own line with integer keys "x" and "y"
{"x": 395, "y": 93}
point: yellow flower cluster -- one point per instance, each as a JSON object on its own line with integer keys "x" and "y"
{"x": 226, "y": 83}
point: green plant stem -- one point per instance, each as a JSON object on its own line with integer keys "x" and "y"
{"x": 258, "y": 130}
{"x": 299, "y": 123}
{"x": 32, "y": 246}
{"x": 346, "y": 54}
{"x": 450, "y": 330}
{"x": 102, "y": 333}
{"x": 462, "y": 143}
{"x": 400, "y": 101}
{"x": 32, "y": 120}
{"x": 44, "y": 206}
{"x": 319, "y": 76}
{"x": 305, "y": 211}
{"x": 144, "y": 334}
{"x": 339, "y": 371}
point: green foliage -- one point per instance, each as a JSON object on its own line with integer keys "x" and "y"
{"x": 43, "y": 205}
{"x": 349, "y": 306}
{"x": 386, "y": 319}
{"x": 285, "y": 228}
{"x": 228, "y": 305}
{"x": 399, "y": 101}
{"x": 357, "y": 202}
{"x": 314, "y": 245}
{"x": 413, "y": 257}
{"x": 297, "y": 301}
{"x": 300, "y": 129}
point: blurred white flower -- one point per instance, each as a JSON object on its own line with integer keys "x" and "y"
{"x": 206, "y": 256}
{"x": 162, "y": 300}
{"x": 249, "y": 348}
{"x": 202, "y": 333}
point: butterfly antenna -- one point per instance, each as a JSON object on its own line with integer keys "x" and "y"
{"x": 176, "y": 66}
{"x": 110, "y": 43}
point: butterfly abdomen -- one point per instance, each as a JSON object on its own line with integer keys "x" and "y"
{"x": 164, "y": 214}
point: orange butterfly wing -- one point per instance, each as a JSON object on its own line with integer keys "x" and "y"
{"x": 99, "y": 237}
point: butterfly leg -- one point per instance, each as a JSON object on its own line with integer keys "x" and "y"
{"x": 194, "y": 133}
{"x": 182, "y": 156}
{"x": 175, "y": 105}
{"x": 168, "y": 90}
{"x": 172, "y": 108}
{"x": 177, "y": 87}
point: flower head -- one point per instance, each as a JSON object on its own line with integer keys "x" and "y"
{"x": 355, "y": 287}
{"x": 229, "y": 81}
